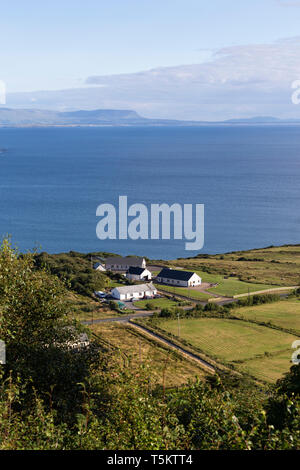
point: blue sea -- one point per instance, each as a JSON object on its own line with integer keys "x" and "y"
{"x": 53, "y": 179}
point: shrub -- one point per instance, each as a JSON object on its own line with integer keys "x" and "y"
{"x": 74, "y": 269}
{"x": 113, "y": 305}
{"x": 151, "y": 306}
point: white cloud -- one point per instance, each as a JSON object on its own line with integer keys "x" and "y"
{"x": 239, "y": 81}
{"x": 288, "y": 3}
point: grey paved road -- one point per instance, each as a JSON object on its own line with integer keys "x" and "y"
{"x": 123, "y": 318}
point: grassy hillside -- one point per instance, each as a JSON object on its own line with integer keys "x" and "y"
{"x": 239, "y": 343}
{"x": 271, "y": 266}
{"x": 235, "y": 273}
{"x": 137, "y": 349}
{"x": 262, "y": 351}
{"x": 83, "y": 308}
{"x": 285, "y": 314}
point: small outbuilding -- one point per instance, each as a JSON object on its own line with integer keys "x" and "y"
{"x": 176, "y": 277}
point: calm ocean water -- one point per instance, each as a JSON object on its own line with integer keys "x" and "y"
{"x": 52, "y": 180}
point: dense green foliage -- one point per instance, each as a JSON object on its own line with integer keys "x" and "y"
{"x": 35, "y": 328}
{"x": 75, "y": 268}
{"x": 124, "y": 413}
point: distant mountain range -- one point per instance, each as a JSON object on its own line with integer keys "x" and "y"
{"x": 109, "y": 117}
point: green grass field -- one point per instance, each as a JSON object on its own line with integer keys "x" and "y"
{"x": 268, "y": 368}
{"x": 154, "y": 273}
{"x": 142, "y": 350}
{"x": 112, "y": 284}
{"x": 236, "y": 342}
{"x": 191, "y": 293}
{"x": 227, "y": 287}
{"x": 230, "y": 287}
{"x": 157, "y": 303}
{"x": 211, "y": 278}
{"x": 285, "y": 313}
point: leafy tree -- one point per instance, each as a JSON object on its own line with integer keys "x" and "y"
{"x": 75, "y": 269}
{"x": 37, "y": 333}
{"x": 133, "y": 416}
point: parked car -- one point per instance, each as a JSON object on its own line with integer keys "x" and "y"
{"x": 100, "y": 294}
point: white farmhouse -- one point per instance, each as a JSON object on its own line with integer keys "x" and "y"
{"x": 117, "y": 263}
{"x": 138, "y": 274}
{"x": 179, "y": 278}
{"x": 134, "y": 292}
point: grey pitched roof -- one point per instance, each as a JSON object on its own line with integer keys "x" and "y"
{"x": 175, "y": 274}
{"x": 135, "y": 270}
{"x": 136, "y": 288}
{"x": 96, "y": 265}
{"x": 127, "y": 261}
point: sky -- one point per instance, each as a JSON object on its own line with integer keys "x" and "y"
{"x": 62, "y": 44}
{"x": 57, "y": 44}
